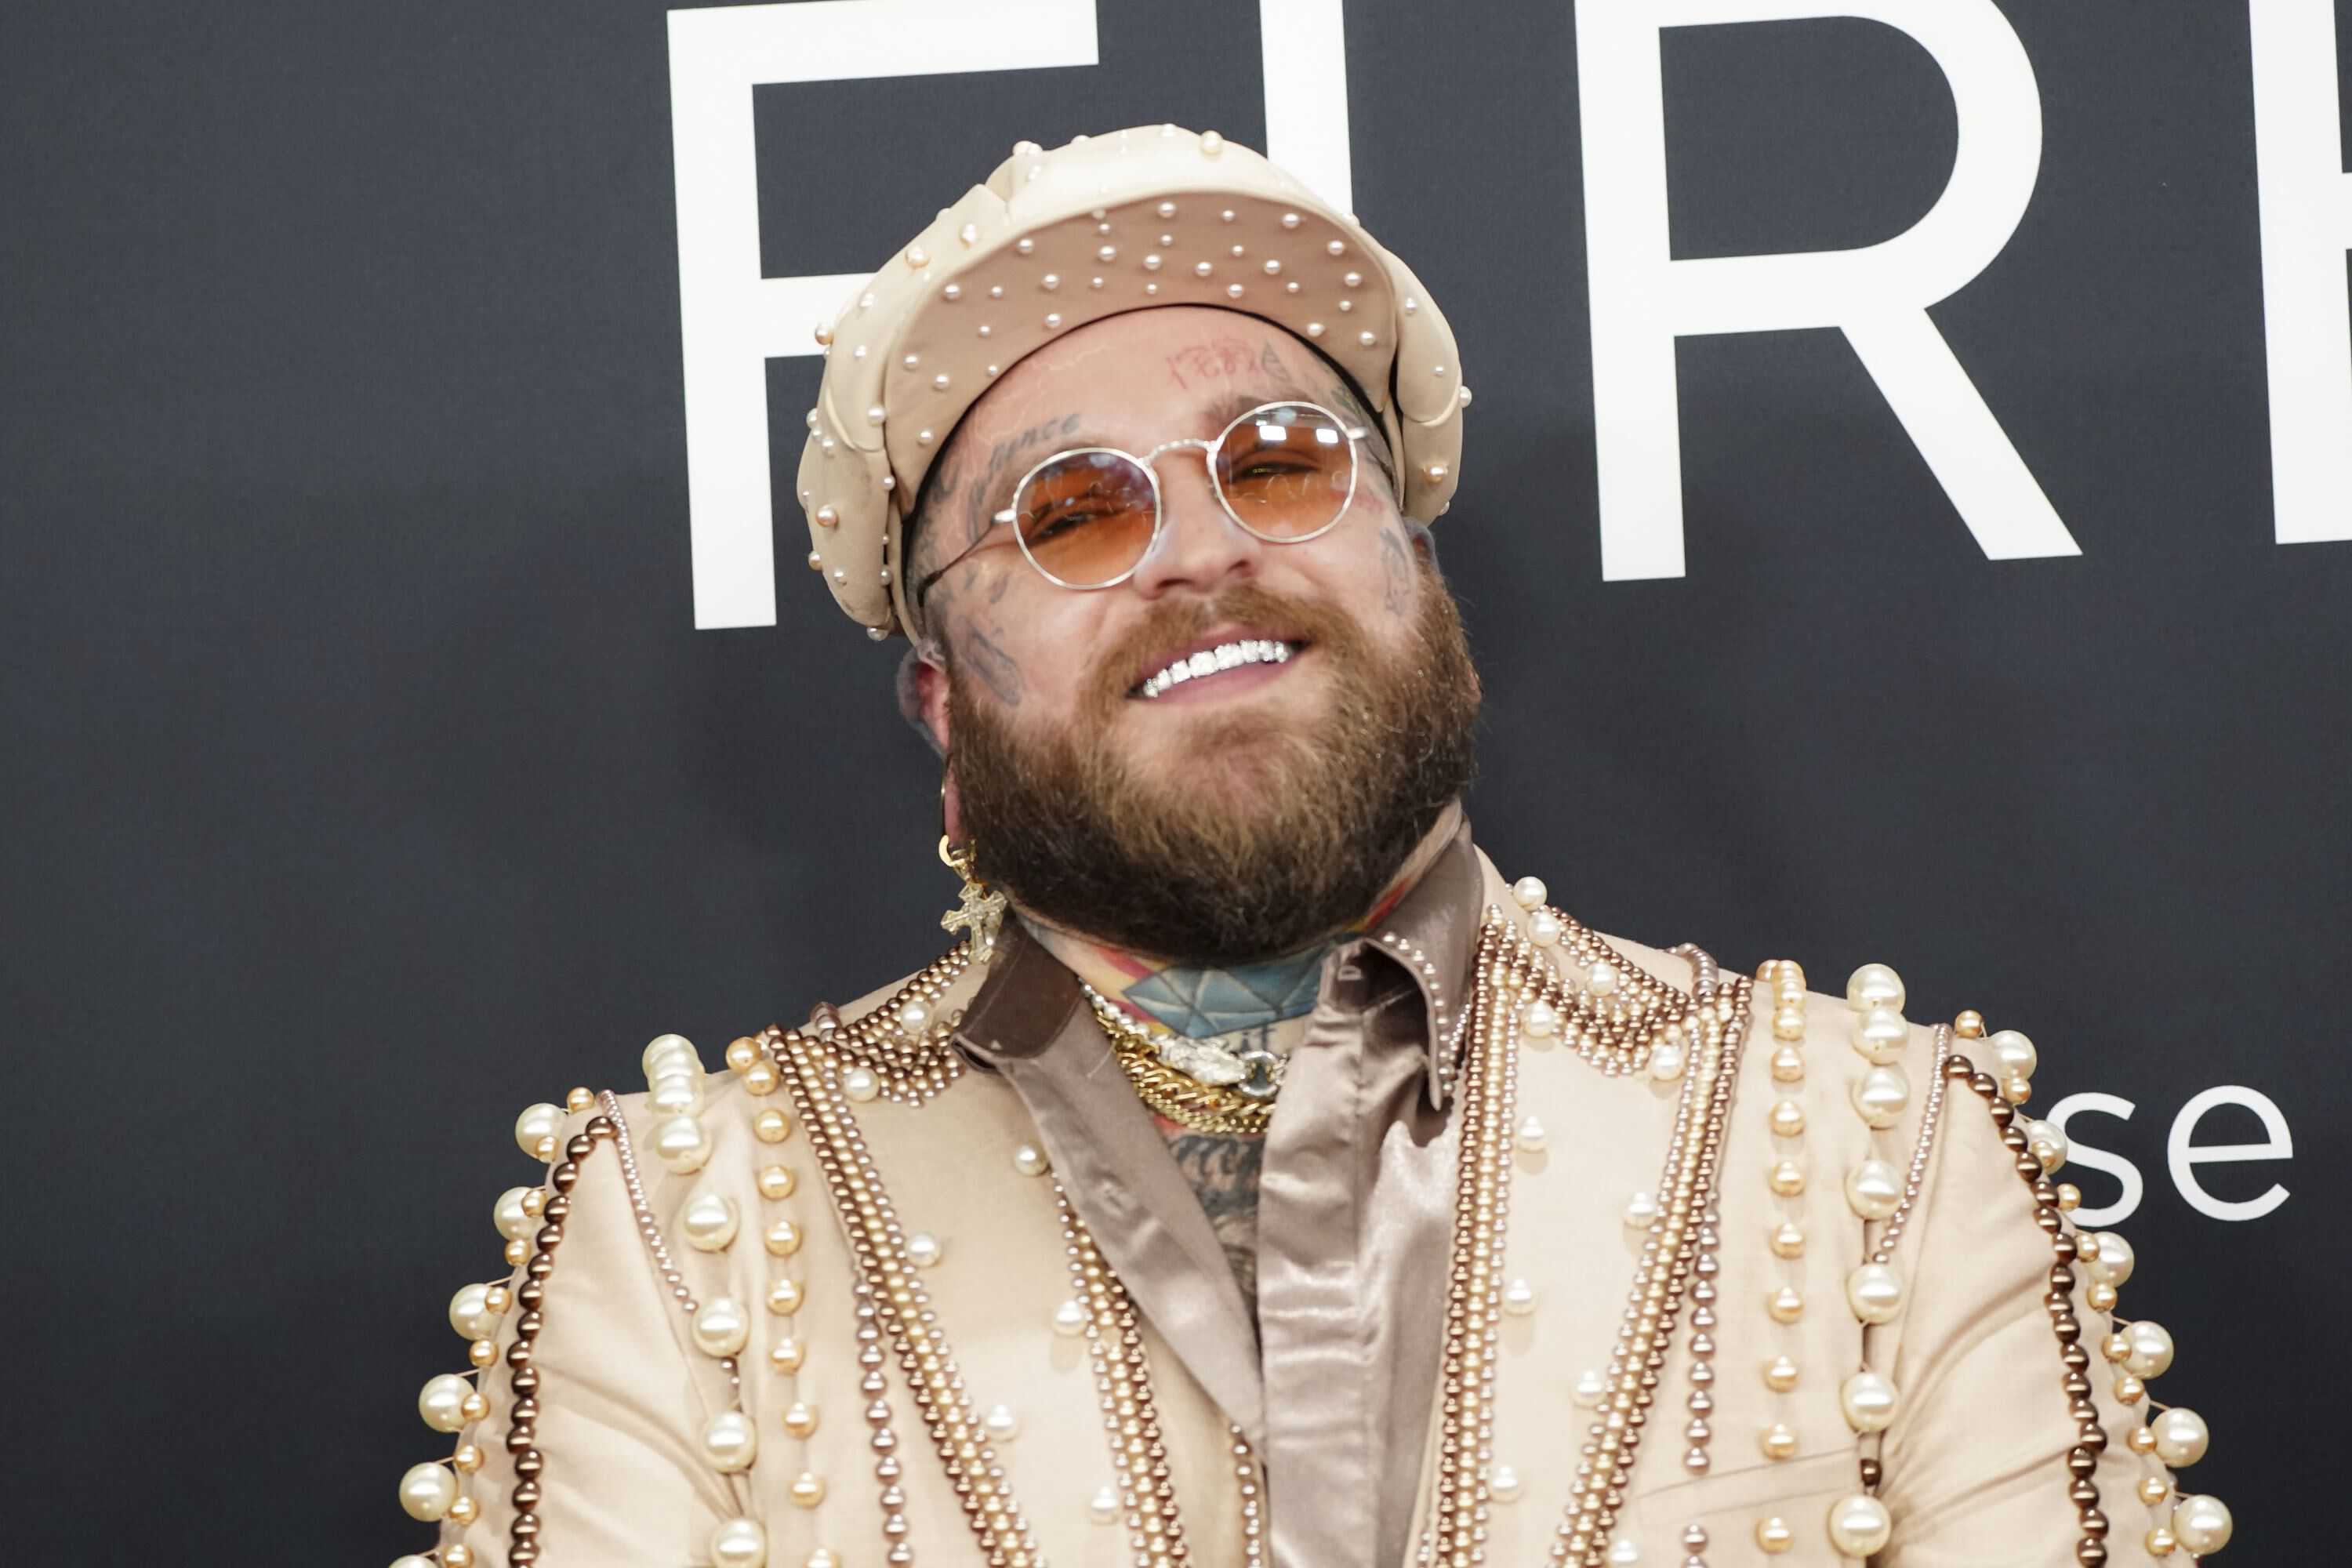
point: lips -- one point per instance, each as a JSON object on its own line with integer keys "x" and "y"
{"x": 1214, "y": 659}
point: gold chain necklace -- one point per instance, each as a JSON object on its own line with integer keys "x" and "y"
{"x": 1201, "y": 1107}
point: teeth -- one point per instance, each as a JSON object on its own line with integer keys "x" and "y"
{"x": 1223, "y": 656}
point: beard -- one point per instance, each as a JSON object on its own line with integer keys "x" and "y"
{"x": 1272, "y": 834}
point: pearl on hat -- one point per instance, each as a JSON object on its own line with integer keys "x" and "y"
{"x": 923, "y": 437}
{"x": 1166, "y": 209}
{"x": 1025, "y": 244}
{"x": 1211, "y": 144}
{"x": 1096, "y": 282}
{"x": 969, "y": 234}
{"x": 940, "y": 382}
{"x": 1201, "y": 270}
{"x": 1291, "y": 287}
{"x": 1336, "y": 248}
{"x": 953, "y": 291}
{"x": 1410, "y": 305}
{"x": 826, "y": 516}
{"x": 1353, "y": 279}
{"x": 1273, "y": 268}
{"x": 1051, "y": 281}
{"x": 815, "y": 561}
{"x": 1106, "y": 253}
{"x": 1151, "y": 264}
{"x": 1233, "y": 291}
{"x": 1368, "y": 339}
{"x": 1314, "y": 329}
{"x": 1240, "y": 250}
{"x": 985, "y": 329}
{"x": 825, "y": 333}
{"x": 1347, "y": 305}
{"x": 1290, "y": 220}
{"x": 1228, "y": 215}
{"x": 918, "y": 256}
{"x": 1053, "y": 320}
{"x": 996, "y": 290}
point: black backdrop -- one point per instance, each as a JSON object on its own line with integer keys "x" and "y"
{"x": 366, "y": 777}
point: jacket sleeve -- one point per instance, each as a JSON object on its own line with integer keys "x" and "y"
{"x": 581, "y": 1446}
{"x": 2028, "y": 1431}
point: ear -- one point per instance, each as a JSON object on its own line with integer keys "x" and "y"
{"x": 931, "y": 695}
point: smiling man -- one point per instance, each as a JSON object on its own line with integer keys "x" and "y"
{"x": 1261, "y": 1176}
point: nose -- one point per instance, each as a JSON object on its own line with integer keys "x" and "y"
{"x": 1200, "y": 546}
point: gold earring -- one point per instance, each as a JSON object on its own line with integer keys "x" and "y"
{"x": 980, "y": 909}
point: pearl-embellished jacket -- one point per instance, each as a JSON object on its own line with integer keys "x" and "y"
{"x": 1785, "y": 1276}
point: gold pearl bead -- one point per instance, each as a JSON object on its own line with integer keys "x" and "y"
{"x": 1969, "y": 1025}
{"x": 1789, "y": 1023}
{"x": 800, "y": 1418}
{"x": 482, "y": 1352}
{"x": 1778, "y": 1442}
{"x": 2130, "y": 1390}
{"x": 784, "y": 1297}
{"x": 761, "y": 1078}
{"x": 2142, "y": 1441}
{"x": 2069, "y": 1197}
{"x": 786, "y": 1356}
{"x": 2114, "y": 1347}
{"x": 468, "y": 1458}
{"x": 474, "y": 1406}
{"x": 807, "y": 1489}
{"x": 1786, "y": 1305}
{"x": 1787, "y": 1241}
{"x": 456, "y": 1554}
{"x": 1787, "y": 1119}
{"x": 1774, "y": 1535}
{"x": 2101, "y": 1295}
{"x": 2160, "y": 1542}
{"x": 777, "y": 1182}
{"x": 518, "y": 1253}
{"x": 496, "y": 1299}
{"x": 741, "y": 1052}
{"x": 579, "y": 1098}
{"x": 2154, "y": 1489}
{"x": 783, "y": 1239}
{"x": 464, "y": 1510}
{"x": 1788, "y": 1064}
{"x": 1788, "y": 1178}
{"x": 772, "y": 1126}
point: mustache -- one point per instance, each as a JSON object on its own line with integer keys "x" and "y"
{"x": 1170, "y": 624}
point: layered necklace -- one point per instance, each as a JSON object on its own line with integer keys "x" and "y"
{"x": 1197, "y": 1084}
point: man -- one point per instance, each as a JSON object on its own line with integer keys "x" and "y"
{"x": 1272, "y": 1180}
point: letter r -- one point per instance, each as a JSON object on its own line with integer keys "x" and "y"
{"x": 1878, "y": 294}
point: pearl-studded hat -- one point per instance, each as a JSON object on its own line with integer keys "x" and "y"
{"x": 1129, "y": 220}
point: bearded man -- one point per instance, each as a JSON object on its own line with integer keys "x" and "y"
{"x": 1261, "y": 1176}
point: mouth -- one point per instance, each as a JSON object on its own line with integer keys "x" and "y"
{"x": 1211, "y": 661}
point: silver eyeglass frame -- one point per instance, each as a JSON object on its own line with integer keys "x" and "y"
{"x": 1208, "y": 448}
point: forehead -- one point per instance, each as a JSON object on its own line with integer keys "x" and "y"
{"x": 1147, "y": 375}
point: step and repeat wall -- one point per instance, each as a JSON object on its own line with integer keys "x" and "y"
{"x": 1906, "y": 516}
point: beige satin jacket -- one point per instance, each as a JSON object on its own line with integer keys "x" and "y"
{"x": 685, "y": 1362}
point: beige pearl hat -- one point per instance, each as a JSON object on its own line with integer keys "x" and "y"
{"x": 1127, "y": 221}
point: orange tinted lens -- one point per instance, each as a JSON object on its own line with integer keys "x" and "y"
{"x": 1086, "y": 518}
{"x": 1287, "y": 470}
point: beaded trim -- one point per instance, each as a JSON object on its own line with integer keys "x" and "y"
{"x": 522, "y": 1376}
{"x": 901, "y": 1051}
{"x": 902, "y": 1307}
{"x": 2091, "y": 1435}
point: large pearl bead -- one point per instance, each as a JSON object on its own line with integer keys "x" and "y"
{"x": 1530, "y": 893}
{"x": 1778, "y": 1442}
{"x": 1879, "y": 1036}
{"x": 1623, "y": 1552}
{"x": 2014, "y": 1052}
{"x": 1880, "y": 1096}
{"x": 2150, "y": 1350}
{"x": 1641, "y": 1209}
{"x": 1786, "y": 1305}
{"x": 2201, "y": 1523}
{"x": 428, "y": 1490}
{"x": 515, "y": 1222}
{"x": 1788, "y": 1118}
{"x": 1502, "y": 1484}
{"x": 721, "y": 1326}
{"x": 1001, "y": 1424}
{"x": 2180, "y": 1437}
{"x": 667, "y": 1054}
{"x": 535, "y": 1126}
{"x": 1105, "y": 1505}
{"x": 1529, "y": 1136}
{"x": 1590, "y": 1388}
{"x": 442, "y": 1401}
{"x": 1781, "y": 1374}
{"x": 1519, "y": 1298}
{"x": 676, "y": 1094}
{"x": 924, "y": 1250}
{"x": 710, "y": 1221}
{"x": 1666, "y": 1062}
{"x": 1541, "y": 1020}
{"x": 1774, "y": 1535}
{"x": 1602, "y": 978}
{"x": 730, "y": 1442}
{"x": 2046, "y": 1143}
{"x": 1544, "y": 928}
{"x": 2110, "y": 1259}
{"x": 1868, "y": 1401}
{"x": 1787, "y": 1177}
{"x": 1859, "y": 1525}
{"x": 1070, "y": 1319}
{"x": 681, "y": 1144}
{"x": 1031, "y": 1161}
{"x": 738, "y": 1543}
{"x": 1873, "y": 1189}
{"x": 860, "y": 1084}
{"x": 1787, "y": 1241}
{"x": 1788, "y": 1064}
{"x": 1873, "y": 985}
{"x": 1874, "y": 1291}
{"x": 471, "y": 1314}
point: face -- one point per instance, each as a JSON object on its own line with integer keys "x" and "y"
{"x": 1237, "y": 813}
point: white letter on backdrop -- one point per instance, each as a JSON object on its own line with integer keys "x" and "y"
{"x": 2126, "y": 1173}
{"x": 2306, "y": 228}
{"x": 1878, "y": 294}
{"x": 734, "y": 319}
{"x": 2185, "y": 1156}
